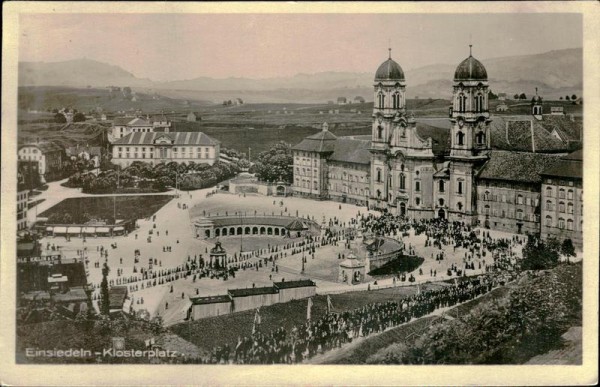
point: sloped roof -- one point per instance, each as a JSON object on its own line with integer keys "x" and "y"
{"x": 92, "y": 150}
{"x": 322, "y": 142}
{"x": 577, "y": 155}
{"x": 351, "y": 151}
{"x": 517, "y": 166}
{"x": 295, "y": 225}
{"x": 210, "y": 299}
{"x": 568, "y": 166}
{"x": 179, "y": 138}
{"x": 567, "y": 129}
{"x": 440, "y": 137}
{"x": 294, "y": 284}
{"x": 44, "y": 147}
{"x": 252, "y": 291}
{"x": 139, "y": 122}
{"x": 515, "y": 133}
{"x": 159, "y": 118}
{"x": 116, "y": 296}
{"x": 122, "y": 121}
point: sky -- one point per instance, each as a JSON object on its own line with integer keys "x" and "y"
{"x": 166, "y": 47}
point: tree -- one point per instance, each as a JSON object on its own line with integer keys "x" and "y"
{"x": 522, "y": 96}
{"x": 127, "y": 91}
{"x": 491, "y": 95}
{"x": 560, "y": 98}
{"x": 540, "y": 255}
{"x": 573, "y": 97}
{"x": 79, "y": 117}
{"x": 516, "y": 96}
{"x": 567, "y": 248}
{"x": 60, "y": 118}
{"x": 568, "y": 98}
{"x": 274, "y": 164}
{"x": 104, "y": 297}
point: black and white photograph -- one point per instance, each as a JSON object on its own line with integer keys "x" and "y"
{"x": 300, "y": 188}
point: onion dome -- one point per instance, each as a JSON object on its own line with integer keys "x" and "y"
{"x": 470, "y": 69}
{"x": 389, "y": 71}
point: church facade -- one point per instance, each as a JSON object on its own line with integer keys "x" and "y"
{"x": 403, "y": 170}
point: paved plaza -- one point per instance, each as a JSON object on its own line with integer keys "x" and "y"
{"x": 173, "y": 229}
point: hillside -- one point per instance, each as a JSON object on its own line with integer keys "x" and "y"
{"x": 555, "y": 73}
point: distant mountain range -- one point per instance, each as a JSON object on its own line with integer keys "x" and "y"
{"x": 555, "y": 73}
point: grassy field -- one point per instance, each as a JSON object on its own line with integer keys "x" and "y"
{"x": 65, "y": 135}
{"x": 50, "y": 97}
{"x": 125, "y": 207}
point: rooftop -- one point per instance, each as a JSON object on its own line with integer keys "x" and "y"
{"x": 210, "y": 300}
{"x": 523, "y": 167}
{"x": 177, "y": 138}
{"x": 252, "y": 291}
{"x": 293, "y": 284}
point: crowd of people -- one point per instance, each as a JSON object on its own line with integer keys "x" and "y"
{"x": 335, "y": 329}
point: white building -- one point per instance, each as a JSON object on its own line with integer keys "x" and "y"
{"x": 181, "y": 147}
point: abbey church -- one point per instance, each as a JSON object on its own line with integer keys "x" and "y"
{"x": 473, "y": 170}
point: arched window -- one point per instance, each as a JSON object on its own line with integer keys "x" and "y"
{"x": 561, "y": 193}
{"x": 486, "y": 210}
{"x": 570, "y": 194}
{"x": 402, "y": 181}
{"x": 479, "y": 102}
{"x": 520, "y": 214}
{"x": 417, "y": 186}
{"x": 549, "y": 205}
{"x": 570, "y": 224}
{"x": 379, "y": 132}
{"x": 486, "y": 195}
{"x": 460, "y": 138}
{"x": 396, "y": 100}
{"x": 548, "y": 221}
{"x": 549, "y": 192}
{"x": 441, "y": 186}
{"x": 441, "y": 202}
{"x": 378, "y": 175}
{"x": 561, "y": 207}
{"x": 381, "y": 100}
{"x": 462, "y": 103}
{"x": 315, "y": 185}
{"x": 459, "y": 205}
{"x": 519, "y": 199}
{"x": 460, "y": 188}
{"x": 390, "y": 181}
{"x": 570, "y": 208}
{"x": 378, "y": 194}
{"x": 561, "y": 223}
{"x": 480, "y": 138}
{"x": 418, "y": 201}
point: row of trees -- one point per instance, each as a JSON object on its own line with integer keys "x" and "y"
{"x": 528, "y": 321}
{"x": 146, "y": 177}
{"x": 524, "y": 96}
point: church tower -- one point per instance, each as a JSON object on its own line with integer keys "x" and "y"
{"x": 469, "y": 114}
{"x": 389, "y": 104}
{"x": 469, "y": 136}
